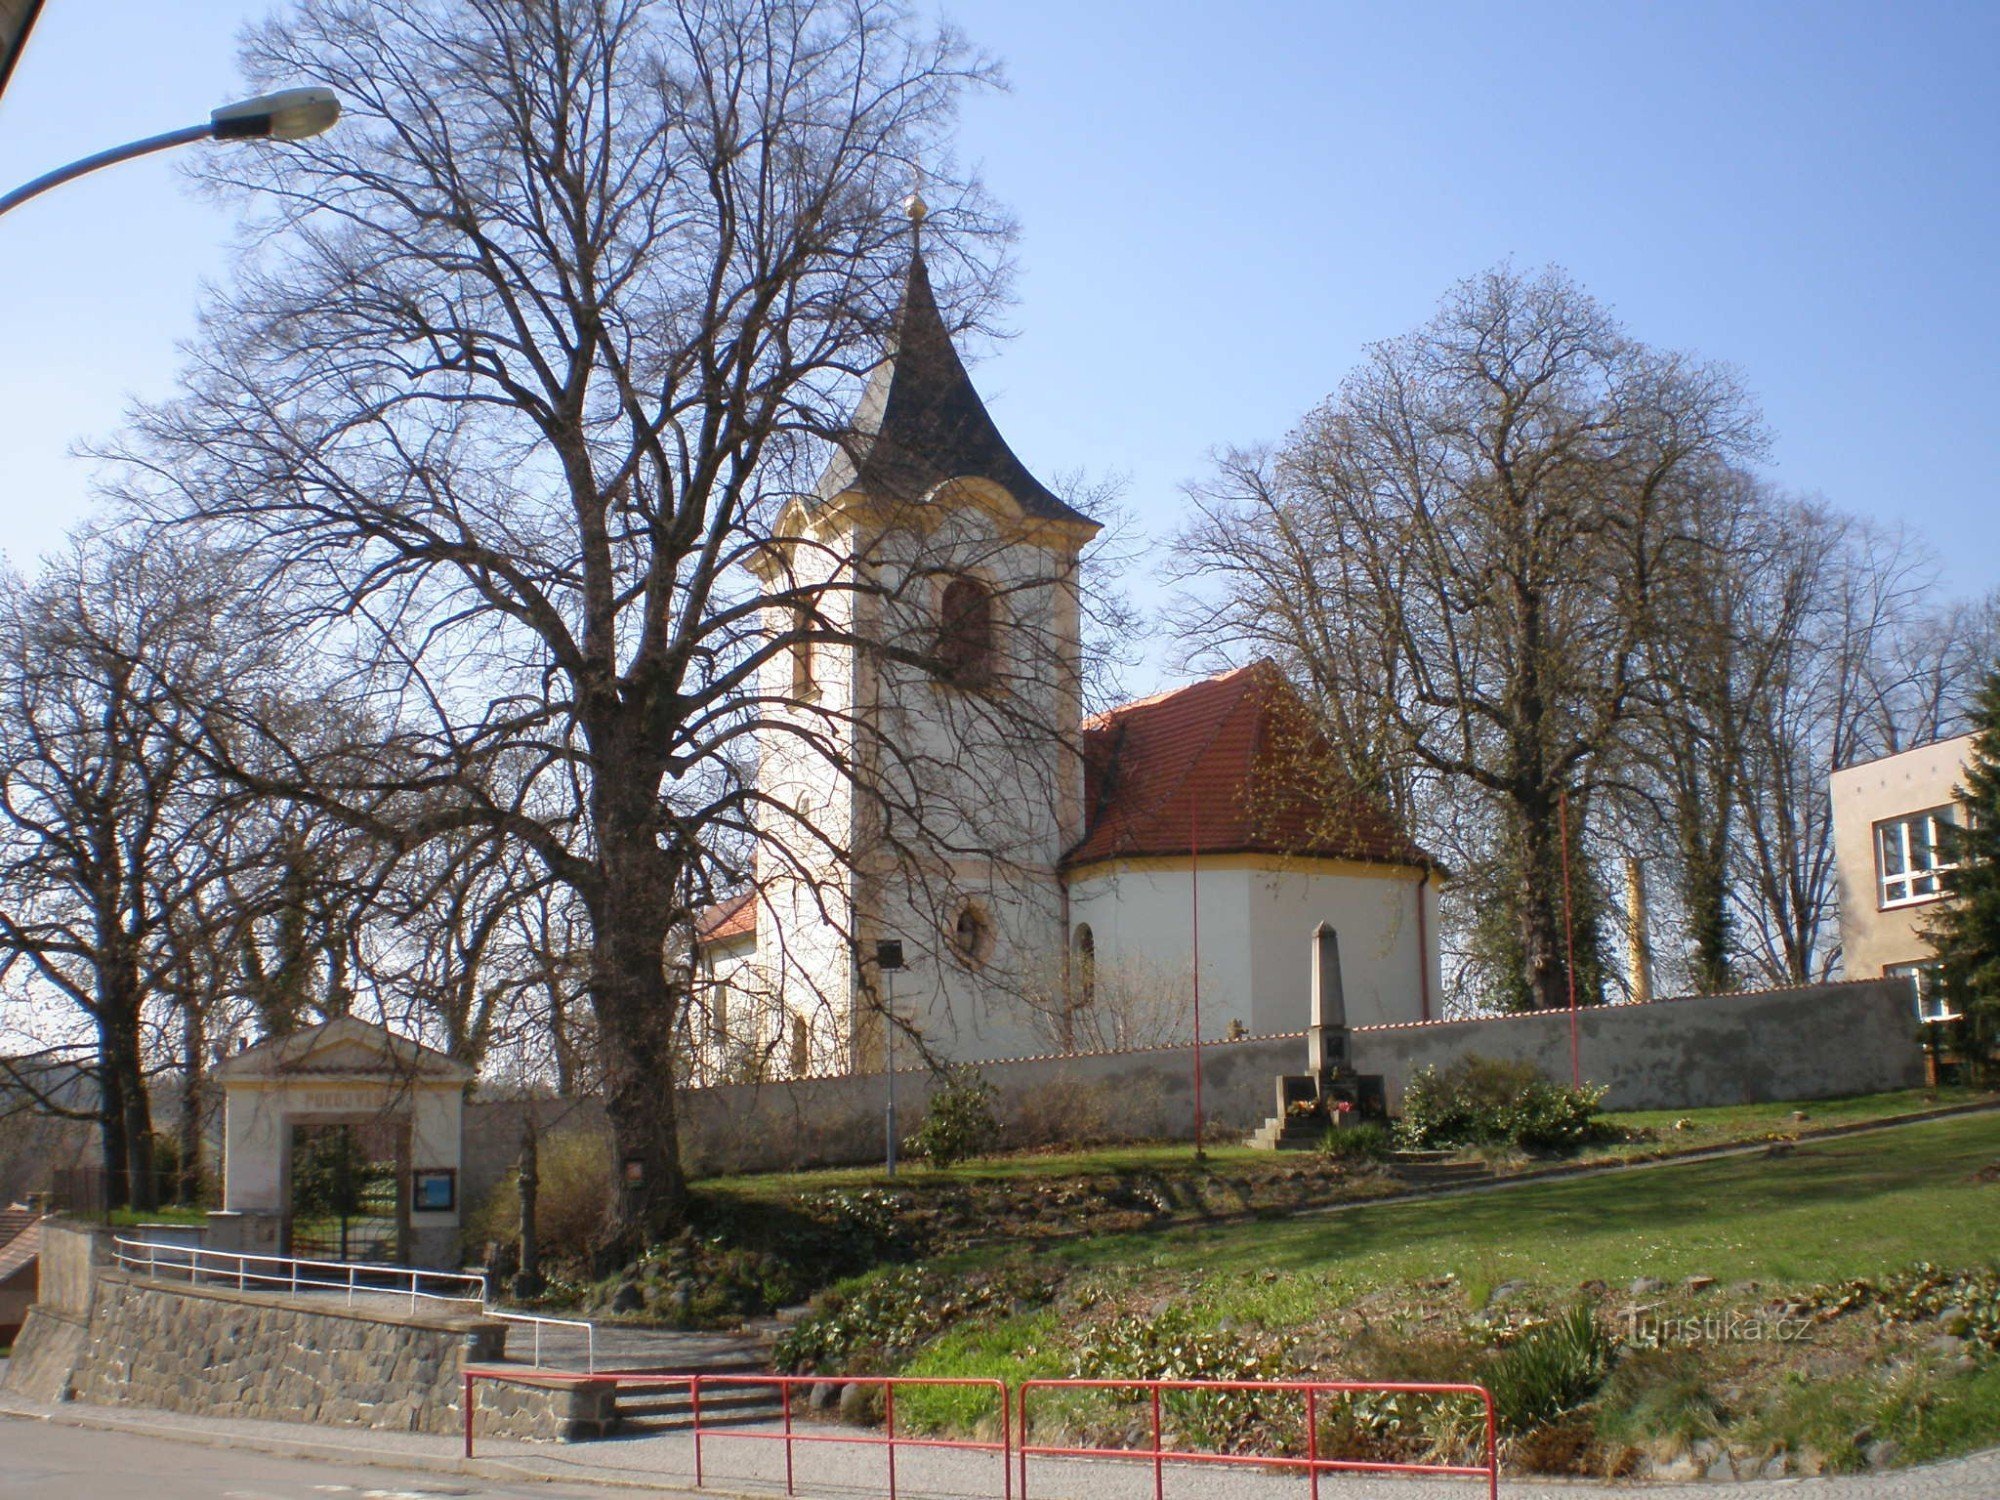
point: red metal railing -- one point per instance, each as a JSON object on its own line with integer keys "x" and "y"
{"x": 1312, "y": 1392}
{"x": 889, "y": 1440}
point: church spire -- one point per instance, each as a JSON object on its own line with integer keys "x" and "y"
{"x": 920, "y": 421}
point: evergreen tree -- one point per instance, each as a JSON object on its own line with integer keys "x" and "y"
{"x": 1966, "y": 929}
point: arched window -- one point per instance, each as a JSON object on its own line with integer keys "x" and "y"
{"x": 801, "y": 1047}
{"x": 805, "y": 681}
{"x": 965, "y": 633}
{"x": 1084, "y": 985}
{"x": 972, "y": 934}
{"x": 718, "y": 1013}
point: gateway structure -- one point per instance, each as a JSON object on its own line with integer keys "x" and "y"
{"x": 932, "y": 785}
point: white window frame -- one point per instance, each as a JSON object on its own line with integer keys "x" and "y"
{"x": 1928, "y": 981}
{"x": 1907, "y": 862}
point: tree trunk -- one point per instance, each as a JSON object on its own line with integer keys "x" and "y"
{"x": 194, "y": 1047}
{"x": 128, "y": 1116}
{"x": 1705, "y": 893}
{"x": 632, "y": 918}
{"x": 111, "y": 1127}
{"x": 1539, "y": 904}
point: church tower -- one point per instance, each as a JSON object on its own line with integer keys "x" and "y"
{"x": 943, "y": 666}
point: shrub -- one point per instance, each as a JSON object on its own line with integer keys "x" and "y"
{"x": 573, "y": 1191}
{"x": 1554, "y": 1367}
{"x": 1549, "y": 1117}
{"x": 1964, "y": 1303}
{"x": 1172, "y": 1345}
{"x": 874, "y": 1326}
{"x": 1357, "y": 1142}
{"x": 960, "y": 1123}
{"x": 1479, "y": 1101}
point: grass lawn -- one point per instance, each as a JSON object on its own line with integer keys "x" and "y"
{"x": 1404, "y": 1290}
{"x": 1704, "y": 1127}
{"x": 132, "y": 1218}
{"x": 1120, "y": 1160}
{"x": 1825, "y": 1211}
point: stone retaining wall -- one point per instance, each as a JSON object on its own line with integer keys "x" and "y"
{"x": 118, "y": 1339}
{"x": 250, "y": 1354}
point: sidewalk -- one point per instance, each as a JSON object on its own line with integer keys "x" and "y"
{"x": 735, "y": 1466}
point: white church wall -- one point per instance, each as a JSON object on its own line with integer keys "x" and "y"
{"x": 1382, "y": 959}
{"x": 1257, "y": 917}
{"x": 982, "y": 1007}
{"x": 983, "y": 786}
{"x": 1141, "y": 921}
{"x": 802, "y": 964}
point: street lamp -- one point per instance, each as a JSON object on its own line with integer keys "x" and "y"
{"x": 289, "y": 115}
{"x": 889, "y": 958}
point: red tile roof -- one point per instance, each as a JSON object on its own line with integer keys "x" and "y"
{"x": 1233, "y": 764}
{"x": 734, "y": 917}
{"x": 20, "y": 1240}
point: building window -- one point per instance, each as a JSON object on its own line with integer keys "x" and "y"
{"x": 718, "y": 1013}
{"x": 965, "y": 633}
{"x": 972, "y": 934}
{"x": 1909, "y": 857}
{"x": 1929, "y": 981}
{"x": 805, "y": 679}
{"x": 1086, "y": 966}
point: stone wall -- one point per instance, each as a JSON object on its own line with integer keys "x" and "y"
{"x": 1108, "y": 1096}
{"x": 1811, "y": 1043}
{"x": 107, "y": 1336}
{"x": 250, "y": 1354}
{"x": 1817, "y": 1042}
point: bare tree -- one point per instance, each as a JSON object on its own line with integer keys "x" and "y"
{"x": 105, "y": 853}
{"x": 531, "y": 353}
{"x": 1463, "y": 554}
{"x": 1861, "y": 665}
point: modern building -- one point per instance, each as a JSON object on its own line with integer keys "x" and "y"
{"x": 1890, "y": 860}
{"x": 1045, "y": 881}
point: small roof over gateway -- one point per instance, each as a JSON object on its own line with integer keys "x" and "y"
{"x": 342, "y": 1048}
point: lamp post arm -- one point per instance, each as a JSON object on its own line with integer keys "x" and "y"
{"x": 185, "y": 136}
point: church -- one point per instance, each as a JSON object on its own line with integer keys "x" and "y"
{"x": 946, "y": 839}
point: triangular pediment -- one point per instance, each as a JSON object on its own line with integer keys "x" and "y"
{"x": 343, "y": 1047}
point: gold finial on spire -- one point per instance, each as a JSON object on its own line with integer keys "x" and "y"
{"x": 914, "y": 205}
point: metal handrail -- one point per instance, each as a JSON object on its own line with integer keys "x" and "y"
{"x": 294, "y": 1274}
{"x": 589, "y": 1334}
{"x": 1313, "y": 1463}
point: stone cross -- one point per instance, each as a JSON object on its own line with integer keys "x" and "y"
{"x": 1326, "y": 1031}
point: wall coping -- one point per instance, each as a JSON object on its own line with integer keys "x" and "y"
{"x": 441, "y": 1323}
{"x": 1610, "y": 1005}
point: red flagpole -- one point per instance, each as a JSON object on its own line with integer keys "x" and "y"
{"x": 1194, "y": 887}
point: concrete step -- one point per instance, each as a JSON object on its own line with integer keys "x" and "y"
{"x": 1442, "y": 1174}
{"x": 663, "y": 1408}
{"x": 1288, "y": 1135}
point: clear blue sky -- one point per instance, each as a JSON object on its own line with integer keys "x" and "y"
{"x": 1220, "y": 205}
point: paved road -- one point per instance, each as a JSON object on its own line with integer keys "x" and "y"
{"x": 73, "y": 1463}
{"x": 71, "y": 1452}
